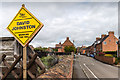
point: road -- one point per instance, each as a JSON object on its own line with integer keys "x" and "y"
{"x": 88, "y": 68}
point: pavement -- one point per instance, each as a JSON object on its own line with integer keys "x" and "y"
{"x": 89, "y": 68}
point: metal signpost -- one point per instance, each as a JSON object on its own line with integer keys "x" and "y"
{"x": 24, "y": 27}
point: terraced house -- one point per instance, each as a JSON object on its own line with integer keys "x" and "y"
{"x": 61, "y": 47}
{"x": 119, "y": 47}
{"x": 107, "y": 43}
{"x": 82, "y": 50}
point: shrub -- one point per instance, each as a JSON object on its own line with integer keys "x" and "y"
{"x": 101, "y": 54}
{"x": 49, "y": 61}
{"x": 117, "y": 60}
{"x": 108, "y": 55}
{"x": 70, "y": 49}
{"x": 110, "y": 52}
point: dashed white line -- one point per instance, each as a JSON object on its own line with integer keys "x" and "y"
{"x": 91, "y": 72}
{"x": 84, "y": 72}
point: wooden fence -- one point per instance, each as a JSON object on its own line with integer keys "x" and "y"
{"x": 33, "y": 64}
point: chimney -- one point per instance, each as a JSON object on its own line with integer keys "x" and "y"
{"x": 59, "y": 42}
{"x": 67, "y": 38}
{"x": 103, "y": 35}
{"x": 111, "y": 33}
{"x": 97, "y": 38}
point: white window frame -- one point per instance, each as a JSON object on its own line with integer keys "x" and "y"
{"x": 105, "y": 42}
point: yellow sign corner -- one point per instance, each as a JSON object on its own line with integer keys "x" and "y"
{"x": 24, "y": 26}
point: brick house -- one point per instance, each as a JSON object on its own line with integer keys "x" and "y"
{"x": 82, "y": 50}
{"x": 88, "y": 50}
{"x": 49, "y": 49}
{"x": 61, "y": 47}
{"x": 106, "y": 43}
{"x": 67, "y": 43}
{"x": 78, "y": 49}
{"x": 119, "y": 47}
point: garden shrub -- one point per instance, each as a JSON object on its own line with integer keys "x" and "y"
{"x": 117, "y": 60}
{"x": 49, "y": 61}
{"x": 101, "y": 54}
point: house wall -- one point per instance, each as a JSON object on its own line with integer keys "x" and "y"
{"x": 119, "y": 50}
{"x": 98, "y": 48}
{"x": 111, "y": 44}
{"x": 83, "y": 51}
{"x": 78, "y": 49}
{"x": 59, "y": 50}
{"x": 62, "y": 46}
{"x": 92, "y": 49}
{"x": 87, "y": 51}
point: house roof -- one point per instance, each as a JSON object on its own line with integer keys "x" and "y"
{"x": 103, "y": 39}
{"x": 58, "y": 45}
{"x": 67, "y": 43}
{"x": 88, "y": 47}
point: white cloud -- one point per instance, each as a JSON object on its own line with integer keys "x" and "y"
{"x": 82, "y": 22}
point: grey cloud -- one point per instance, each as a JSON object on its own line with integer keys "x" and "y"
{"x": 82, "y": 22}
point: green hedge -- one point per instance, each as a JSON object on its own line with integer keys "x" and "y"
{"x": 117, "y": 60}
{"x": 114, "y": 53}
{"x": 49, "y": 61}
{"x": 110, "y": 52}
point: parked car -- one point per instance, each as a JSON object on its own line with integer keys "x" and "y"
{"x": 74, "y": 55}
{"x": 95, "y": 53}
{"x": 88, "y": 54}
{"x": 92, "y": 55}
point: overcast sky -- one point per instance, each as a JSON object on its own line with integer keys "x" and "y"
{"x": 81, "y": 21}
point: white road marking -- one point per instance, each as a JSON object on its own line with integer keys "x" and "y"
{"x": 92, "y": 63}
{"x": 91, "y": 72}
{"x": 84, "y": 72}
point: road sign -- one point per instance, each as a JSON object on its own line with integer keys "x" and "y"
{"x": 24, "y": 26}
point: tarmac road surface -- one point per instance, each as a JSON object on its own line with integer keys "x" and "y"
{"x": 88, "y": 68}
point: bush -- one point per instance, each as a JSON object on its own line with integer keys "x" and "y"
{"x": 101, "y": 54}
{"x": 40, "y": 49}
{"x": 110, "y": 52}
{"x": 70, "y": 49}
{"x": 117, "y": 60}
{"x": 49, "y": 61}
{"x": 108, "y": 55}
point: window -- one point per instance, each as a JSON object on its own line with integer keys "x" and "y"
{"x": 105, "y": 42}
{"x": 116, "y": 42}
{"x": 109, "y": 40}
{"x": 98, "y": 41}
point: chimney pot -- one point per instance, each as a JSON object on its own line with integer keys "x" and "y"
{"x": 97, "y": 38}
{"x": 103, "y": 35}
{"x": 67, "y": 38}
{"x": 60, "y": 43}
{"x": 111, "y": 32}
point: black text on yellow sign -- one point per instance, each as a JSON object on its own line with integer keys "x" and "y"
{"x": 24, "y": 26}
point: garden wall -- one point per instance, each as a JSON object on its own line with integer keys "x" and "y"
{"x": 106, "y": 59}
{"x": 63, "y": 69}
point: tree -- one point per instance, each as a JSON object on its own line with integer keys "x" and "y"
{"x": 70, "y": 49}
{"x": 55, "y": 50}
{"x": 40, "y": 49}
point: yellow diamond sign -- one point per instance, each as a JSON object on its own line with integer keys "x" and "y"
{"x": 24, "y": 26}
